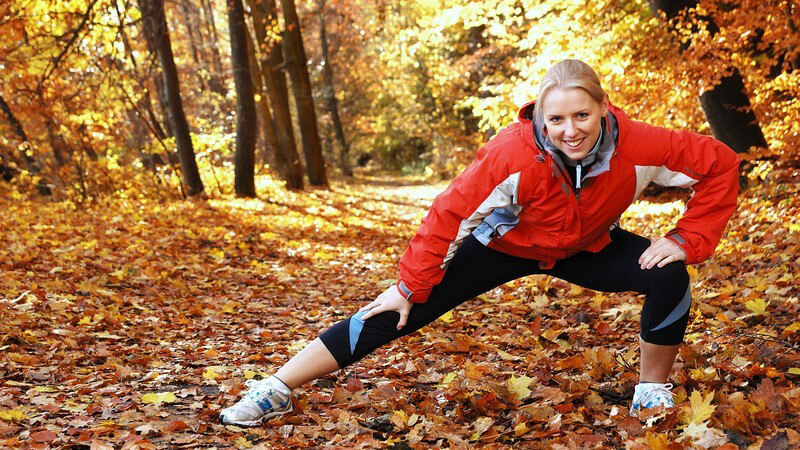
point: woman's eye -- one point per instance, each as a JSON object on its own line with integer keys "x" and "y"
{"x": 583, "y": 115}
{"x": 554, "y": 119}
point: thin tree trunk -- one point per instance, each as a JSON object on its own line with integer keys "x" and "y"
{"x": 155, "y": 30}
{"x": 190, "y": 24}
{"x": 301, "y": 86}
{"x": 264, "y": 13}
{"x": 264, "y": 112}
{"x": 216, "y": 77}
{"x": 726, "y": 106}
{"x": 30, "y": 162}
{"x": 330, "y": 94}
{"x": 244, "y": 159}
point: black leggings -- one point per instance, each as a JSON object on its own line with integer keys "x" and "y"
{"x": 476, "y": 269}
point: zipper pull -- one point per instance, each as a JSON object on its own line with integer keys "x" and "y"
{"x": 578, "y": 176}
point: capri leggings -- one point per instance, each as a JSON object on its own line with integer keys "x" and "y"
{"x": 476, "y": 269}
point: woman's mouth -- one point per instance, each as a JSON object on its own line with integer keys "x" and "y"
{"x": 575, "y": 143}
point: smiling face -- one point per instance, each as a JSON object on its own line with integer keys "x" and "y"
{"x": 573, "y": 119}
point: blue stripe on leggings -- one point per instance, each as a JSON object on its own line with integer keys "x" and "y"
{"x": 356, "y": 325}
{"x": 678, "y": 312}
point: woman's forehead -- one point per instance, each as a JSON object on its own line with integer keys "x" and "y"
{"x": 562, "y": 101}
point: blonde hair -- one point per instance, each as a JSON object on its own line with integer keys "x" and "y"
{"x": 569, "y": 74}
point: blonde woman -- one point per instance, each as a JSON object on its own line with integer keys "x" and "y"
{"x": 544, "y": 197}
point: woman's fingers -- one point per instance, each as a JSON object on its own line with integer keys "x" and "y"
{"x": 667, "y": 260}
{"x": 371, "y": 304}
{"x": 372, "y": 312}
{"x": 661, "y": 253}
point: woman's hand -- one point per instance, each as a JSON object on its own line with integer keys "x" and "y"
{"x": 660, "y": 253}
{"x": 389, "y": 300}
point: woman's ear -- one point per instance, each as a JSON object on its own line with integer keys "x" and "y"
{"x": 604, "y": 106}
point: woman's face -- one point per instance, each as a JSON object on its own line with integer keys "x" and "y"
{"x": 573, "y": 120}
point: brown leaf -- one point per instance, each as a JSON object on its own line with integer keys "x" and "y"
{"x": 778, "y": 442}
{"x": 177, "y": 425}
{"x": 43, "y": 436}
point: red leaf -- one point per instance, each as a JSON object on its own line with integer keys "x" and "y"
{"x": 43, "y": 436}
{"x": 354, "y": 385}
{"x": 175, "y": 426}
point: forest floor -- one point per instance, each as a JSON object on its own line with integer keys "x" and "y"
{"x": 131, "y": 323}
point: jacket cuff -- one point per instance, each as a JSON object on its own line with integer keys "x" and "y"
{"x": 412, "y": 296}
{"x": 681, "y": 241}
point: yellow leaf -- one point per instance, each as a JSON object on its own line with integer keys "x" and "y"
{"x": 249, "y": 374}
{"x": 700, "y": 407}
{"x": 85, "y": 321}
{"x": 758, "y": 305}
{"x": 12, "y": 415}
{"x": 448, "y": 379}
{"x": 45, "y": 389}
{"x": 505, "y": 355}
{"x": 230, "y": 307}
{"x": 794, "y": 370}
{"x": 519, "y": 386}
{"x": 795, "y": 326}
{"x": 520, "y": 429}
{"x": 447, "y": 317}
{"x": 242, "y": 442}
{"x": 217, "y": 254}
{"x": 210, "y": 374}
{"x": 159, "y": 398}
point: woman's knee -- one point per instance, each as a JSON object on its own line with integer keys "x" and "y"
{"x": 672, "y": 276}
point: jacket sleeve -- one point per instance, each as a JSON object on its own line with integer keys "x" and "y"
{"x": 485, "y": 185}
{"x": 710, "y": 169}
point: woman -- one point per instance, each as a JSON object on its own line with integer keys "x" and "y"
{"x": 543, "y": 197}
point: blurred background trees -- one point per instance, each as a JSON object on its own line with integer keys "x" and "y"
{"x": 152, "y": 98}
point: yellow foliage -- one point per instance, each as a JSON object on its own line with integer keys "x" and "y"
{"x": 159, "y": 398}
{"x": 699, "y": 409}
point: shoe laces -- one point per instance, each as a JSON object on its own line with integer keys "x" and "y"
{"x": 658, "y": 393}
{"x": 258, "y": 389}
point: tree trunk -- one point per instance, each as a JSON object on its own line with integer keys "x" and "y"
{"x": 264, "y": 13}
{"x": 264, "y": 112}
{"x": 20, "y": 132}
{"x": 244, "y": 159}
{"x": 155, "y": 30}
{"x": 301, "y": 86}
{"x": 726, "y": 106}
{"x": 216, "y": 83}
{"x": 190, "y": 24}
{"x": 330, "y": 94}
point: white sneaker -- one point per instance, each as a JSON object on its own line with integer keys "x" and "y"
{"x": 265, "y": 399}
{"x": 651, "y": 395}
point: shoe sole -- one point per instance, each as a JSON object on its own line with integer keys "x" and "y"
{"x": 255, "y": 423}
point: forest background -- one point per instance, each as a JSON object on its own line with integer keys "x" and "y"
{"x": 174, "y": 172}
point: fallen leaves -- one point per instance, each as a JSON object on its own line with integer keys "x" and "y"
{"x": 150, "y": 328}
{"x": 699, "y": 408}
{"x": 159, "y": 398}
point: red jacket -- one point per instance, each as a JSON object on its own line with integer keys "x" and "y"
{"x": 515, "y": 197}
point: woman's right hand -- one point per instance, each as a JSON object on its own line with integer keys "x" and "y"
{"x": 389, "y": 300}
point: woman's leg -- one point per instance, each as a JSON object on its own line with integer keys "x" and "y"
{"x": 656, "y": 361}
{"x": 665, "y": 312}
{"x": 474, "y": 270}
{"x": 310, "y": 363}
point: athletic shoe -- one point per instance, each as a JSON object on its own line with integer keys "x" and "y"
{"x": 651, "y": 395}
{"x": 265, "y": 399}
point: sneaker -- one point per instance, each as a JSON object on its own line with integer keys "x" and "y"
{"x": 265, "y": 399}
{"x": 651, "y": 395}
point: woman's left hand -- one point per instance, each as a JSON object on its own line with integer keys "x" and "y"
{"x": 660, "y": 253}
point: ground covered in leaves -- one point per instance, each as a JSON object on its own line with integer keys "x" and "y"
{"x": 130, "y": 323}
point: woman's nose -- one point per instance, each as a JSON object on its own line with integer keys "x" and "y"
{"x": 569, "y": 129}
